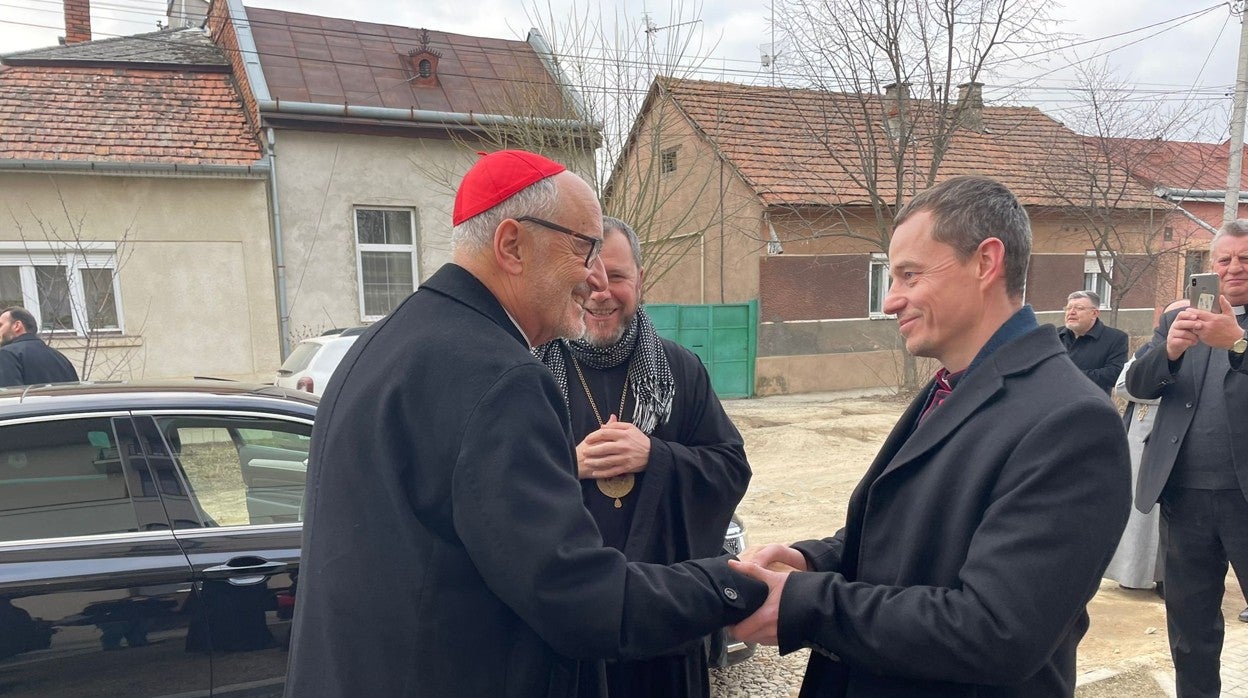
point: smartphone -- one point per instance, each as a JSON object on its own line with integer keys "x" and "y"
{"x": 1202, "y": 292}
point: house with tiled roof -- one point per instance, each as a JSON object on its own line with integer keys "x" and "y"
{"x": 134, "y": 217}
{"x": 807, "y": 183}
{"x": 1192, "y": 175}
{"x": 369, "y": 128}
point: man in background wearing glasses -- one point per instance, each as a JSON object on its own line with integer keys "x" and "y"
{"x": 1100, "y": 351}
{"x": 446, "y": 549}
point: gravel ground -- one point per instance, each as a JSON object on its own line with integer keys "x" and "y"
{"x": 765, "y": 675}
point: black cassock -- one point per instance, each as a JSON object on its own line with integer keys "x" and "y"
{"x": 446, "y": 552}
{"x": 680, "y": 504}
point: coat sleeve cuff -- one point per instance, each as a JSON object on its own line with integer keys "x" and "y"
{"x": 797, "y": 623}
{"x": 741, "y": 595}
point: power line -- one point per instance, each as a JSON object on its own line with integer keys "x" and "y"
{"x": 636, "y": 59}
{"x": 604, "y": 57}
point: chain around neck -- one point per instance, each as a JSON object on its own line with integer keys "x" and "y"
{"x": 594, "y": 405}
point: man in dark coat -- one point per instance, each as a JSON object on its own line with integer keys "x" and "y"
{"x": 978, "y": 535}
{"x": 1196, "y": 460}
{"x": 1100, "y": 351}
{"x": 662, "y": 466}
{"x": 446, "y": 549}
{"x": 24, "y": 358}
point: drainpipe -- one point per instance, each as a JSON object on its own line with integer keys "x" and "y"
{"x": 279, "y": 257}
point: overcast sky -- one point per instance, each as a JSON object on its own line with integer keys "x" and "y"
{"x": 1189, "y": 55}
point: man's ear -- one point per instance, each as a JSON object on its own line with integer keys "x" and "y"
{"x": 509, "y": 250}
{"x": 990, "y": 257}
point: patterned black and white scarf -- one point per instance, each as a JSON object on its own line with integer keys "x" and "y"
{"x": 649, "y": 375}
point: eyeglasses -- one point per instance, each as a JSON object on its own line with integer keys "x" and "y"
{"x": 595, "y": 244}
{"x": 1080, "y": 308}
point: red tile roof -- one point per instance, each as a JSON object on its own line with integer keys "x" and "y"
{"x": 80, "y": 112}
{"x": 782, "y": 142}
{"x": 307, "y": 58}
{"x": 1182, "y": 165}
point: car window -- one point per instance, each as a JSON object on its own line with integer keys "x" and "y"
{"x": 300, "y": 357}
{"x": 334, "y": 351}
{"x": 63, "y": 478}
{"x": 242, "y": 470}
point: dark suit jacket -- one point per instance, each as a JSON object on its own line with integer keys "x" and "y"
{"x": 973, "y": 544}
{"x": 1100, "y": 354}
{"x": 27, "y": 360}
{"x": 446, "y": 549}
{"x": 1153, "y": 376}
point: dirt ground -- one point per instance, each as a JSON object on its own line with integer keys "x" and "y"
{"x": 809, "y": 451}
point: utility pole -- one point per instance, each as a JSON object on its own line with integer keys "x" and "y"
{"x": 1236, "y": 144}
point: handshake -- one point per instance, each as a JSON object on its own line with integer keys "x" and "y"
{"x": 770, "y": 564}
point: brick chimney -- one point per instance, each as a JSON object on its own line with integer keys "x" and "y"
{"x": 896, "y": 106}
{"x": 77, "y": 21}
{"x": 971, "y": 106}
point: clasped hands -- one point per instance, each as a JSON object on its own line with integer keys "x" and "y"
{"x": 1192, "y": 325}
{"x": 613, "y": 449}
{"x": 771, "y": 564}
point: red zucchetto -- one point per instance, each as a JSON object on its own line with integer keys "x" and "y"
{"x": 495, "y": 177}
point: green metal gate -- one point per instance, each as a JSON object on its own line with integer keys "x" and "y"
{"x": 725, "y": 337}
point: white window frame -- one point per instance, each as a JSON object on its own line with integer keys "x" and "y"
{"x": 668, "y": 160}
{"x": 877, "y": 273}
{"x": 1094, "y": 280}
{"x": 361, "y": 248}
{"x": 76, "y": 257}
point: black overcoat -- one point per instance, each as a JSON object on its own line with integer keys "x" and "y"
{"x": 27, "y": 360}
{"x": 973, "y": 544}
{"x": 1100, "y": 353}
{"x": 446, "y": 548}
{"x": 1153, "y": 375}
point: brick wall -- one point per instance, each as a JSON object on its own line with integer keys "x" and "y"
{"x": 1052, "y": 277}
{"x": 223, "y": 35}
{"x": 813, "y": 287}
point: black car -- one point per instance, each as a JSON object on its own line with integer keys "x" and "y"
{"x": 150, "y": 536}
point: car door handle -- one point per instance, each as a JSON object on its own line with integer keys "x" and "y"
{"x": 245, "y": 570}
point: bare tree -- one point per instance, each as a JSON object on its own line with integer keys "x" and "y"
{"x": 611, "y": 68}
{"x": 888, "y": 69}
{"x": 893, "y": 66}
{"x": 1104, "y": 177}
{"x": 76, "y": 293}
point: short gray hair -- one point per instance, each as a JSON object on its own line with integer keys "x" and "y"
{"x": 969, "y": 209}
{"x": 477, "y": 232}
{"x": 634, "y": 245}
{"x": 1090, "y": 295}
{"x": 1234, "y": 229}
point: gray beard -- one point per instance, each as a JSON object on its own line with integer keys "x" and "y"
{"x": 604, "y": 343}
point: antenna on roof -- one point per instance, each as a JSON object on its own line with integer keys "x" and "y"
{"x": 648, "y": 24}
{"x": 767, "y": 55}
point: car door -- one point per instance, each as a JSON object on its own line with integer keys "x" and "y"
{"x": 244, "y": 474}
{"x": 95, "y": 592}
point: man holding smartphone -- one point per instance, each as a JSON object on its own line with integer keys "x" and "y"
{"x": 1196, "y": 460}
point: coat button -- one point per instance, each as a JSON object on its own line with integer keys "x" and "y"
{"x": 1174, "y": 439}
{"x": 1189, "y": 405}
{"x": 730, "y": 593}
